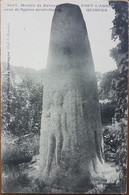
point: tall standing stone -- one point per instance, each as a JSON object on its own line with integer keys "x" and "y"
{"x": 70, "y": 144}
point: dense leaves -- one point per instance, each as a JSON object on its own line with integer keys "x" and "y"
{"x": 111, "y": 144}
{"x": 113, "y": 93}
{"x": 107, "y": 112}
{"x": 120, "y": 55}
{"x": 21, "y": 102}
{"x": 107, "y": 96}
{"x": 108, "y": 86}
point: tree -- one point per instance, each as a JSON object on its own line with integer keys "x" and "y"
{"x": 21, "y": 101}
{"x": 108, "y": 86}
{"x": 107, "y": 99}
{"x": 120, "y": 55}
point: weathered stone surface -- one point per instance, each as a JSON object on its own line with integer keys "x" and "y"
{"x": 70, "y": 143}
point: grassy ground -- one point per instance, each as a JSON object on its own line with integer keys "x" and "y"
{"x": 15, "y": 179}
{"x": 20, "y": 179}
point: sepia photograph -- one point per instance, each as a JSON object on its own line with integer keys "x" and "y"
{"x": 64, "y": 96}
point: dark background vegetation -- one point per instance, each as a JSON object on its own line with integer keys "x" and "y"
{"x": 22, "y": 92}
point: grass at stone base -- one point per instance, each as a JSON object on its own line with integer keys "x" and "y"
{"x": 112, "y": 188}
{"x": 15, "y": 179}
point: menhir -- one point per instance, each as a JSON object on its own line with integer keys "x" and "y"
{"x": 71, "y": 136}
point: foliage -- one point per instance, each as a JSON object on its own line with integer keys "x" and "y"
{"x": 107, "y": 96}
{"x": 108, "y": 86}
{"x": 107, "y": 112}
{"x": 120, "y": 55}
{"x": 111, "y": 143}
{"x": 21, "y": 102}
{"x": 16, "y": 150}
{"x": 113, "y": 93}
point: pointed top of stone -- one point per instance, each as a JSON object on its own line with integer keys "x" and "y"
{"x": 68, "y": 7}
{"x": 68, "y": 39}
{"x": 68, "y": 10}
